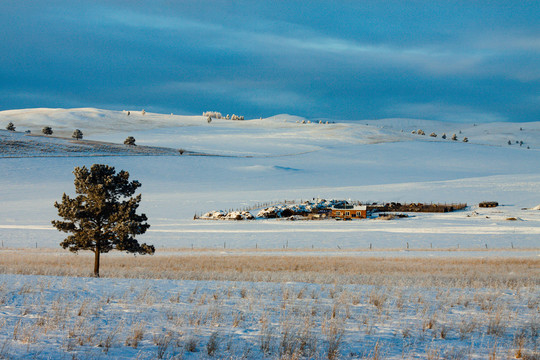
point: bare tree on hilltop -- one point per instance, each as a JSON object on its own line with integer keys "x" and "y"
{"x": 103, "y": 215}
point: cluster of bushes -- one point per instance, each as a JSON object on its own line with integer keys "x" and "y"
{"x": 443, "y": 136}
{"x": 212, "y": 114}
{"x": 520, "y": 142}
{"x": 217, "y": 115}
{"x": 77, "y": 134}
{"x": 309, "y": 122}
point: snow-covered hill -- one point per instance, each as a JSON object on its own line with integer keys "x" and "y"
{"x": 165, "y": 128}
{"x": 281, "y": 157}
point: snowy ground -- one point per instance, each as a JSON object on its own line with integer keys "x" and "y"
{"x": 268, "y": 160}
{"x": 52, "y": 317}
{"x": 281, "y": 158}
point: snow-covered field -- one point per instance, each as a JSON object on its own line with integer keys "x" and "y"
{"x": 280, "y": 158}
{"x": 257, "y": 161}
{"x": 54, "y": 317}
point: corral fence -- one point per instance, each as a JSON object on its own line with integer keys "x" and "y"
{"x": 417, "y": 207}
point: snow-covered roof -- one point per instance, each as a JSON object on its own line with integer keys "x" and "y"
{"x": 348, "y": 208}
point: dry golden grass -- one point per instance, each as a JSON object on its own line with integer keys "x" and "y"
{"x": 279, "y": 267}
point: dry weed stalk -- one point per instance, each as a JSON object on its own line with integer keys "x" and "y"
{"x": 447, "y": 272}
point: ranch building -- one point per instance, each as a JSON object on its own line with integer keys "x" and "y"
{"x": 349, "y": 212}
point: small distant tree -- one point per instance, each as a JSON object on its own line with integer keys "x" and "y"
{"x": 130, "y": 140}
{"x": 143, "y": 112}
{"x": 103, "y": 215}
{"x": 209, "y": 119}
{"x": 181, "y": 151}
{"x": 454, "y": 137}
{"x": 465, "y": 139}
{"x": 10, "y": 127}
{"x": 77, "y": 134}
{"x": 509, "y": 142}
{"x": 47, "y": 130}
{"x": 444, "y": 136}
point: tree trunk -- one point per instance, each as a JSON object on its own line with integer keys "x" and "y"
{"x": 96, "y": 262}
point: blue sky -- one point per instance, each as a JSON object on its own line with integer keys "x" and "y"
{"x": 469, "y": 61}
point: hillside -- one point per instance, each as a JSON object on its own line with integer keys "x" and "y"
{"x": 265, "y": 160}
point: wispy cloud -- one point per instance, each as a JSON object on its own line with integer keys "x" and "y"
{"x": 348, "y": 60}
{"x": 264, "y": 94}
{"x": 444, "y": 112}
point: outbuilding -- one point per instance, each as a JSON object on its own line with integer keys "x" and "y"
{"x": 348, "y": 212}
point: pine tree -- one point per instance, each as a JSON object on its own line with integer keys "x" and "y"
{"x": 10, "y": 127}
{"x": 47, "y": 130}
{"x": 130, "y": 140}
{"x": 103, "y": 215}
{"x": 77, "y": 134}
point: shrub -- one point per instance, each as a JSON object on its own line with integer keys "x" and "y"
{"x": 213, "y": 344}
{"x": 10, "y": 127}
{"x": 77, "y": 134}
{"x": 130, "y": 140}
{"x": 47, "y": 130}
